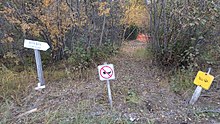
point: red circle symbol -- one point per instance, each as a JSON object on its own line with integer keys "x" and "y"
{"x": 106, "y": 72}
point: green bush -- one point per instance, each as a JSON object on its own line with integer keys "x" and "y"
{"x": 183, "y": 32}
{"x": 83, "y": 58}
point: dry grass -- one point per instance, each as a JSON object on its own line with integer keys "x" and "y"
{"x": 13, "y": 84}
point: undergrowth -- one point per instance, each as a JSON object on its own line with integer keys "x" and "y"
{"x": 181, "y": 80}
{"x": 82, "y": 58}
{"x": 12, "y": 82}
{"x": 79, "y": 113}
{"x": 77, "y": 62}
{"x": 5, "y": 114}
{"x": 14, "y": 85}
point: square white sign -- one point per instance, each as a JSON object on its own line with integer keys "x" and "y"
{"x": 106, "y": 72}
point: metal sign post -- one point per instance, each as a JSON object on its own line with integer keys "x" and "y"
{"x": 197, "y": 92}
{"x": 109, "y": 93}
{"x": 106, "y": 72}
{"x": 41, "y": 83}
{"x": 109, "y": 90}
{"x": 36, "y": 45}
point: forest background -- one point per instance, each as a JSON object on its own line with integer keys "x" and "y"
{"x": 184, "y": 37}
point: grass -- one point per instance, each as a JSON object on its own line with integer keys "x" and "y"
{"x": 132, "y": 97}
{"x": 182, "y": 81}
{"x": 208, "y": 112}
{"x": 5, "y": 113}
{"x": 142, "y": 53}
{"x": 77, "y": 113}
{"x": 14, "y": 85}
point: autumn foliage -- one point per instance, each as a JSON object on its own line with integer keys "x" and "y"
{"x": 136, "y": 13}
{"x": 63, "y": 24}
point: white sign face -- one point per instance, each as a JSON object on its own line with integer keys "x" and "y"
{"x": 106, "y": 72}
{"x": 36, "y": 45}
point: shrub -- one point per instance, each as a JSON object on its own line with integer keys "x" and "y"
{"x": 184, "y": 31}
{"x": 82, "y": 58}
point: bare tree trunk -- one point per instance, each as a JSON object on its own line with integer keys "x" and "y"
{"x": 155, "y": 21}
{"x": 151, "y": 18}
{"x": 78, "y": 7}
{"x": 103, "y": 28}
{"x": 59, "y": 37}
{"x": 123, "y": 36}
{"x": 165, "y": 23}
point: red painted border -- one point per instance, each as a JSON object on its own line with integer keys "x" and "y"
{"x": 106, "y": 72}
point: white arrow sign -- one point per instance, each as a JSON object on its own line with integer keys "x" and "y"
{"x": 37, "y": 45}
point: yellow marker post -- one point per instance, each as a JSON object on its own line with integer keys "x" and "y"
{"x": 202, "y": 80}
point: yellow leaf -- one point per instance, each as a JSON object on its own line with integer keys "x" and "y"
{"x": 10, "y": 39}
{"x": 46, "y": 3}
{"x": 24, "y": 26}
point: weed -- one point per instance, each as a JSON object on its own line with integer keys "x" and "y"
{"x": 132, "y": 97}
{"x": 150, "y": 121}
{"x": 141, "y": 53}
{"x": 5, "y": 113}
{"x": 182, "y": 80}
{"x": 12, "y": 82}
{"x": 78, "y": 114}
{"x": 212, "y": 113}
{"x": 14, "y": 85}
{"x": 54, "y": 75}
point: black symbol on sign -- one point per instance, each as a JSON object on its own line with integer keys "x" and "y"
{"x": 107, "y": 72}
{"x": 205, "y": 80}
{"x": 200, "y": 79}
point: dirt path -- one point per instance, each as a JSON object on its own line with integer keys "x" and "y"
{"x": 140, "y": 95}
{"x": 154, "y": 100}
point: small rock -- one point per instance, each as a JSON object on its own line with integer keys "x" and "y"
{"x": 132, "y": 117}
